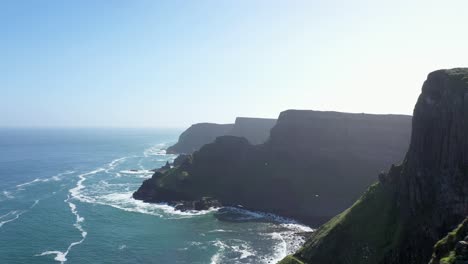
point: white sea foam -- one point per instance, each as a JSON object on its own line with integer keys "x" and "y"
{"x": 284, "y": 233}
{"x": 8, "y": 195}
{"x": 232, "y": 246}
{"x": 156, "y": 150}
{"x": 137, "y": 172}
{"x": 62, "y": 256}
{"x": 57, "y": 177}
{"x": 15, "y": 214}
{"x": 7, "y": 214}
{"x": 76, "y": 191}
{"x": 114, "y": 163}
{"x": 288, "y": 241}
{"x": 124, "y": 201}
{"x": 220, "y": 231}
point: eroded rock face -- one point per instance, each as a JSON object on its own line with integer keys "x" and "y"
{"x": 437, "y": 161}
{"x": 420, "y": 200}
{"x": 433, "y": 186}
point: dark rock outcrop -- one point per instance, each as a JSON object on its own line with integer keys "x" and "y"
{"x": 180, "y": 159}
{"x": 314, "y": 165}
{"x": 204, "y": 203}
{"x": 399, "y": 219}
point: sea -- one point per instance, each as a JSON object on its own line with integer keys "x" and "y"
{"x": 66, "y": 197}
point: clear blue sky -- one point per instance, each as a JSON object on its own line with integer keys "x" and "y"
{"x": 173, "y": 63}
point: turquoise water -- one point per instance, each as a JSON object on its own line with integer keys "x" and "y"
{"x": 66, "y": 198}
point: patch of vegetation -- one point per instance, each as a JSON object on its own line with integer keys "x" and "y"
{"x": 362, "y": 234}
{"x": 450, "y": 259}
{"x": 290, "y": 260}
{"x": 444, "y": 249}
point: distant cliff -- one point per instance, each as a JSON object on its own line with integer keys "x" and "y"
{"x": 198, "y": 135}
{"x": 255, "y": 130}
{"x": 400, "y": 218}
{"x": 314, "y": 165}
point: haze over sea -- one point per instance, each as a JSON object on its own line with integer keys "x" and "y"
{"x": 65, "y": 196}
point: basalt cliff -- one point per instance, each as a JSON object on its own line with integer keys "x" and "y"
{"x": 314, "y": 165}
{"x": 401, "y": 217}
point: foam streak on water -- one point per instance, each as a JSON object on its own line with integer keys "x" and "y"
{"x": 57, "y": 177}
{"x": 15, "y": 214}
{"x": 62, "y": 256}
{"x": 247, "y": 237}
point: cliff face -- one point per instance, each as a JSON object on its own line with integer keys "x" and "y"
{"x": 414, "y": 205}
{"x": 198, "y": 135}
{"x": 314, "y": 165}
{"x": 255, "y": 130}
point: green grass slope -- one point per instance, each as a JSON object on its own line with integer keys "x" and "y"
{"x": 446, "y": 250}
{"x": 362, "y": 234}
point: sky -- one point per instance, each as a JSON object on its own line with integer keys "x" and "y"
{"x": 139, "y": 63}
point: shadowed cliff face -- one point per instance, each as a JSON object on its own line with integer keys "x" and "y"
{"x": 255, "y": 130}
{"x": 433, "y": 186}
{"x": 413, "y": 206}
{"x": 314, "y": 165}
{"x": 436, "y": 167}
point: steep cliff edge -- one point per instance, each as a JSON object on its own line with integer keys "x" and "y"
{"x": 399, "y": 219}
{"x": 314, "y": 165}
{"x": 255, "y": 130}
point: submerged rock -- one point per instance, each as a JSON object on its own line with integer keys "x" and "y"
{"x": 205, "y": 203}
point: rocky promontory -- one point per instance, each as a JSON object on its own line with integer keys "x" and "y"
{"x": 314, "y": 165}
